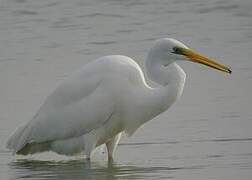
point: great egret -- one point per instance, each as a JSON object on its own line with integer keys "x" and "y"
{"x": 105, "y": 98}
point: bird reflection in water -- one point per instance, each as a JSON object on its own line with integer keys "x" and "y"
{"x": 83, "y": 169}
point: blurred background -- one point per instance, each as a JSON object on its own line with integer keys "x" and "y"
{"x": 205, "y": 135}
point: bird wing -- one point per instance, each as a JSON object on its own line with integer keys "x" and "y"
{"x": 79, "y": 105}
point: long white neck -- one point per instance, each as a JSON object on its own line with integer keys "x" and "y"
{"x": 170, "y": 77}
{"x": 157, "y": 100}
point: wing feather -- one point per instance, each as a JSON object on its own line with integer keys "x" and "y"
{"x": 80, "y": 104}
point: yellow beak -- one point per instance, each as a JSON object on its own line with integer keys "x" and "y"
{"x": 196, "y": 57}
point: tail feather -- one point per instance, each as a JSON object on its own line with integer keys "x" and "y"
{"x": 32, "y": 148}
{"x": 19, "y": 138}
{"x": 20, "y": 142}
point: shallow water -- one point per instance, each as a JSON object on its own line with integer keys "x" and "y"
{"x": 205, "y": 135}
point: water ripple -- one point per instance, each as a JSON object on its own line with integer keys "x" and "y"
{"x": 148, "y": 143}
{"x": 225, "y": 140}
{"x": 95, "y": 15}
{"x": 24, "y": 12}
{"x": 81, "y": 169}
{"x": 219, "y": 8}
{"x": 102, "y": 42}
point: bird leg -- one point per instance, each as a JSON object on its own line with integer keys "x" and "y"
{"x": 88, "y": 151}
{"x": 111, "y": 146}
{"x": 89, "y": 145}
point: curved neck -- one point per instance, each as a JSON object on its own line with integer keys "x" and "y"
{"x": 154, "y": 101}
{"x": 170, "y": 77}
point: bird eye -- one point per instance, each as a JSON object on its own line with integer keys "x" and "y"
{"x": 175, "y": 50}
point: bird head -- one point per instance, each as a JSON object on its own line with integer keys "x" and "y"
{"x": 170, "y": 50}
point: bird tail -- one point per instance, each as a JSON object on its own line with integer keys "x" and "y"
{"x": 19, "y": 138}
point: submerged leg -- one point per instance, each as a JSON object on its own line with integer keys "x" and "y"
{"x": 89, "y": 145}
{"x": 111, "y": 146}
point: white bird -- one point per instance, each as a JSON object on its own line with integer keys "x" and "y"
{"x": 105, "y": 98}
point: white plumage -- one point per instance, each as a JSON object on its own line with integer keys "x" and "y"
{"x": 106, "y": 97}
